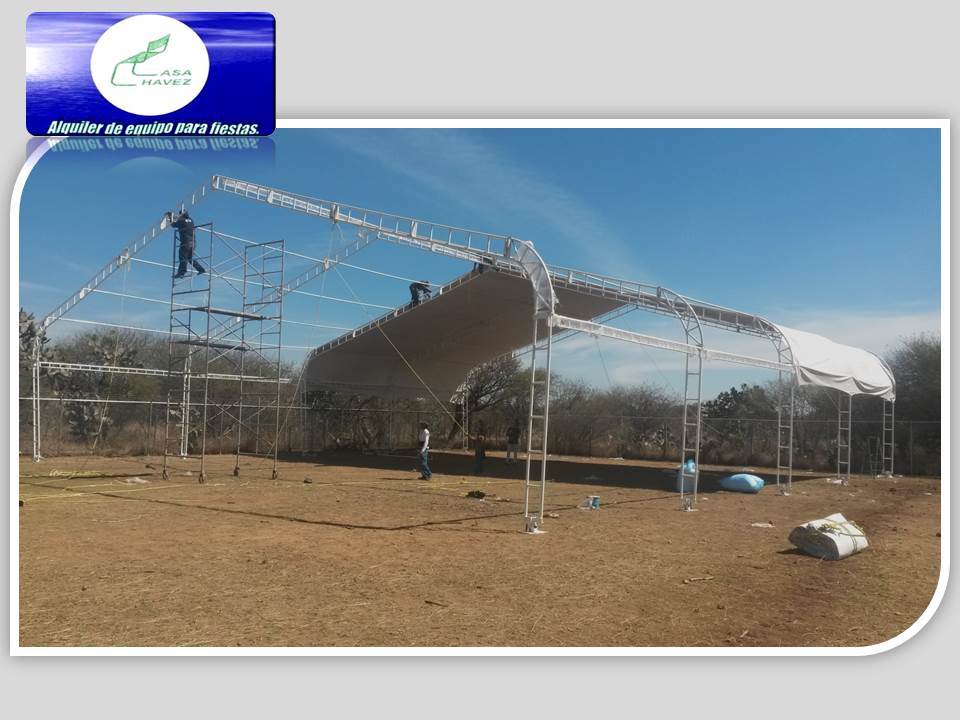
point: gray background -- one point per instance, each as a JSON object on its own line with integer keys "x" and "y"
{"x": 511, "y": 59}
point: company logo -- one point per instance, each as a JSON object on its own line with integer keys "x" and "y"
{"x": 149, "y": 64}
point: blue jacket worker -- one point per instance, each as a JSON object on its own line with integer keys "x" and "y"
{"x": 186, "y": 230}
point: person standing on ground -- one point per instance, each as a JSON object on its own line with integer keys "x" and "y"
{"x": 425, "y": 472}
{"x": 479, "y": 452}
{"x": 513, "y": 443}
{"x": 186, "y": 230}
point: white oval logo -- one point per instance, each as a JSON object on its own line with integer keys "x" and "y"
{"x": 149, "y": 64}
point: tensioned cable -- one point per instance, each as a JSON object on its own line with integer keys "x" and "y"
{"x": 320, "y": 261}
{"x": 407, "y": 363}
{"x": 259, "y": 284}
{"x": 250, "y": 282}
{"x": 603, "y": 361}
{"x": 161, "y": 332}
{"x": 103, "y": 414}
{"x": 303, "y": 365}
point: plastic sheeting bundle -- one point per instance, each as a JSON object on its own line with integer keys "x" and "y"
{"x": 831, "y": 538}
{"x": 742, "y": 482}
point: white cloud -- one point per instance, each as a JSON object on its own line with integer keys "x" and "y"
{"x": 878, "y": 332}
{"x": 478, "y": 175}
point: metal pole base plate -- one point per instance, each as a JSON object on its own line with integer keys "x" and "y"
{"x": 531, "y": 525}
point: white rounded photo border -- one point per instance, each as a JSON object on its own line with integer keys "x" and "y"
{"x": 886, "y": 646}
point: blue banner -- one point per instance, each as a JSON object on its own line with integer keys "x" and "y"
{"x": 151, "y": 74}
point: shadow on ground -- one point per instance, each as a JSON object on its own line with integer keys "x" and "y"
{"x": 598, "y": 473}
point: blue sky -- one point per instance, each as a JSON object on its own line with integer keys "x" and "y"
{"x": 833, "y": 231}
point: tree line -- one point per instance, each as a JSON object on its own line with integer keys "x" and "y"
{"x": 629, "y": 421}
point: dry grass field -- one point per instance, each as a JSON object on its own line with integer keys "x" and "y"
{"x": 353, "y": 550}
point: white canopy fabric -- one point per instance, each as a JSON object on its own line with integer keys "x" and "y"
{"x": 823, "y": 362}
{"x": 432, "y": 347}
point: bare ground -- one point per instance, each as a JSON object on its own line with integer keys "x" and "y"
{"x": 365, "y": 554}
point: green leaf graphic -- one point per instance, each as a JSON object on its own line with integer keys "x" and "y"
{"x": 154, "y": 48}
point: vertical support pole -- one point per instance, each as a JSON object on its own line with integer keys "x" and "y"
{"x": 910, "y": 430}
{"x": 166, "y": 435}
{"x": 202, "y": 478}
{"x": 533, "y": 518}
{"x": 303, "y": 421}
{"x": 844, "y": 436}
{"x": 840, "y": 436}
{"x": 185, "y": 404}
{"x": 690, "y": 431}
{"x": 785, "y": 412}
{"x": 531, "y": 411}
{"x": 792, "y": 411}
{"x": 888, "y": 437}
{"x": 546, "y": 416}
{"x": 846, "y": 480}
{"x": 243, "y": 354}
{"x": 170, "y": 360}
{"x": 276, "y": 423}
{"x": 35, "y": 398}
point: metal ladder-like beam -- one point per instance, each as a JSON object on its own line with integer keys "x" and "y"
{"x": 35, "y": 399}
{"x": 691, "y": 432}
{"x": 844, "y": 436}
{"x": 888, "y": 438}
{"x": 785, "y": 412}
{"x": 538, "y": 421}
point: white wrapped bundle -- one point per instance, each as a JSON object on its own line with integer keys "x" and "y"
{"x": 831, "y": 538}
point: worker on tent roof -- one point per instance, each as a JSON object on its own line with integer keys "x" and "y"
{"x": 186, "y": 230}
{"x": 419, "y": 291}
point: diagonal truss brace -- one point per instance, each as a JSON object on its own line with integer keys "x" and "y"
{"x": 122, "y": 259}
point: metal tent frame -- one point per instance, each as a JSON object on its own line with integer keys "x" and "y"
{"x": 519, "y": 257}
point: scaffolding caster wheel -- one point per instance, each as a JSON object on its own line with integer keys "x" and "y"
{"x": 686, "y": 504}
{"x": 236, "y": 471}
{"x": 275, "y": 475}
{"x": 202, "y": 478}
{"x": 165, "y": 475}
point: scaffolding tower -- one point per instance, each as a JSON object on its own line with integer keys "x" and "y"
{"x": 221, "y": 326}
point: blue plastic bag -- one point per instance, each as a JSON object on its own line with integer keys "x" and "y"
{"x": 742, "y": 482}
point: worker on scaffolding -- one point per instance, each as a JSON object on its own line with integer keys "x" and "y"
{"x": 419, "y": 291}
{"x": 186, "y": 231}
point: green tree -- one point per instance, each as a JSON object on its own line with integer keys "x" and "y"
{"x": 747, "y": 401}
